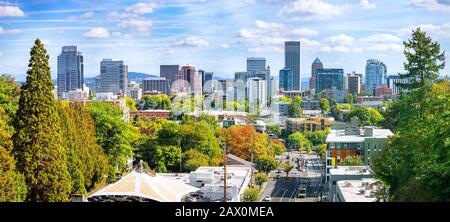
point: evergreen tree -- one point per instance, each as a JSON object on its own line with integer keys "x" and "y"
{"x": 424, "y": 60}
{"x": 37, "y": 140}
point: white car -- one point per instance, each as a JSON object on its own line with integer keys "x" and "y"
{"x": 267, "y": 198}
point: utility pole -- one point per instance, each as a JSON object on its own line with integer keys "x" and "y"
{"x": 251, "y": 167}
{"x": 225, "y": 174}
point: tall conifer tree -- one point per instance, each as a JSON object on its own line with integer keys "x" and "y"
{"x": 37, "y": 140}
{"x": 424, "y": 60}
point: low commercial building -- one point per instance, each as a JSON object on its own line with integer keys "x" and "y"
{"x": 342, "y": 173}
{"x": 356, "y": 190}
{"x": 151, "y": 114}
{"x": 211, "y": 182}
{"x": 353, "y": 141}
{"x": 310, "y": 104}
{"x": 308, "y": 124}
{"x": 361, "y": 99}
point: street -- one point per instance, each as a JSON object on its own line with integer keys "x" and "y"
{"x": 286, "y": 189}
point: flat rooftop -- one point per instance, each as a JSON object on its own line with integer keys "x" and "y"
{"x": 350, "y": 170}
{"x": 356, "y": 190}
{"x": 340, "y": 136}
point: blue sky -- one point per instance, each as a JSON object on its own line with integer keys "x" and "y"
{"x": 218, "y": 35}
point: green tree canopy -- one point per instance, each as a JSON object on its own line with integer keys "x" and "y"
{"x": 266, "y": 163}
{"x": 295, "y": 107}
{"x": 352, "y": 161}
{"x": 366, "y": 116}
{"x": 424, "y": 60}
{"x": 261, "y": 178}
{"x": 324, "y": 105}
{"x": 297, "y": 141}
{"x": 193, "y": 159}
{"x": 415, "y": 164}
{"x": 37, "y": 140}
{"x": 251, "y": 195}
{"x": 114, "y": 135}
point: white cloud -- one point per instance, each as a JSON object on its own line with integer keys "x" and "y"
{"x": 381, "y": 38}
{"x": 432, "y": 5}
{"x": 273, "y": 41}
{"x": 266, "y": 25}
{"x": 312, "y": 9}
{"x": 358, "y": 50}
{"x": 436, "y": 31}
{"x": 386, "y": 47}
{"x": 341, "y": 49}
{"x": 97, "y": 33}
{"x": 225, "y": 46}
{"x": 139, "y": 26}
{"x": 309, "y": 43}
{"x": 117, "y": 15}
{"x": 141, "y": 8}
{"x": 340, "y": 39}
{"x": 11, "y": 11}
{"x": 86, "y": 15}
{"x": 318, "y": 9}
{"x": 304, "y": 32}
{"x": 191, "y": 41}
{"x": 266, "y": 49}
{"x": 365, "y": 4}
{"x": 245, "y": 33}
{"x": 117, "y": 34}
{"x": 9, "y": 31}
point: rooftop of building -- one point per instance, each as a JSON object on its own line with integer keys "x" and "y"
{"x": 350, "y": 170}
{"x": 151, "y": 111}
{"x": 358, "y": 190}
{"x": 342, "y": 135}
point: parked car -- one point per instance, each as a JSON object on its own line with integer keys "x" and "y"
{"x": 267, "y": 198}
{"x": 277, "y": 176}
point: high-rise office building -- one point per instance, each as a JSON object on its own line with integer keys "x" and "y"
{"x": 207, "y": 82}
{"x": 286, "y": 80}
{"x": 191, "y": 76}
{"x": 155, "y": 84}
{"x": 317, "y": 64}
{"x": 292, "y": 61}
{"x": 113, "y": 76}
{"x": 375, "y": 75}
{"x": 255, "y": 64}
{"x": 352, "y": 83}
{"x": 170, "y": 72}
{"x": 134, "y": 90}
{"x": 201, "y": 73}
{"x": 256, "y": 92}
{"x": 70, "y": 70}
{"x": 329, "y": 79}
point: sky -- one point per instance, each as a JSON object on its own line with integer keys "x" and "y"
{"x": 218, "y": 35}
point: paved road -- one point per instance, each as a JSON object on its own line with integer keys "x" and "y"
{"x": 286, "y": 189}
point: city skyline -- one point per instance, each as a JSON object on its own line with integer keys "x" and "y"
{"x": 147, "y": 34}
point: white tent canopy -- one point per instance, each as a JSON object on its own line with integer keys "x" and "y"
{"x": 142, "y": 185}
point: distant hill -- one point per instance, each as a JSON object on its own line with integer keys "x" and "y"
{"x": 139, "y": 76}
{"x": 132, "y": 76}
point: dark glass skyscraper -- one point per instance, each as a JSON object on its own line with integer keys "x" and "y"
{"x": 255, "y": 64}
{"x": 292, "y": 61}
{"x": 329, "y": 78}
{"x": 286, "y": 80}
{"x": 170, "y": 72}
{"x": 70, "y": 70}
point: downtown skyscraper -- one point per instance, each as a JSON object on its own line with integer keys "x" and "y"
{"x": 113, "y": 76}
{"x": 375, "y": 75}
{"x": 70, "y": 70}
{"x": 292, "y": 61}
